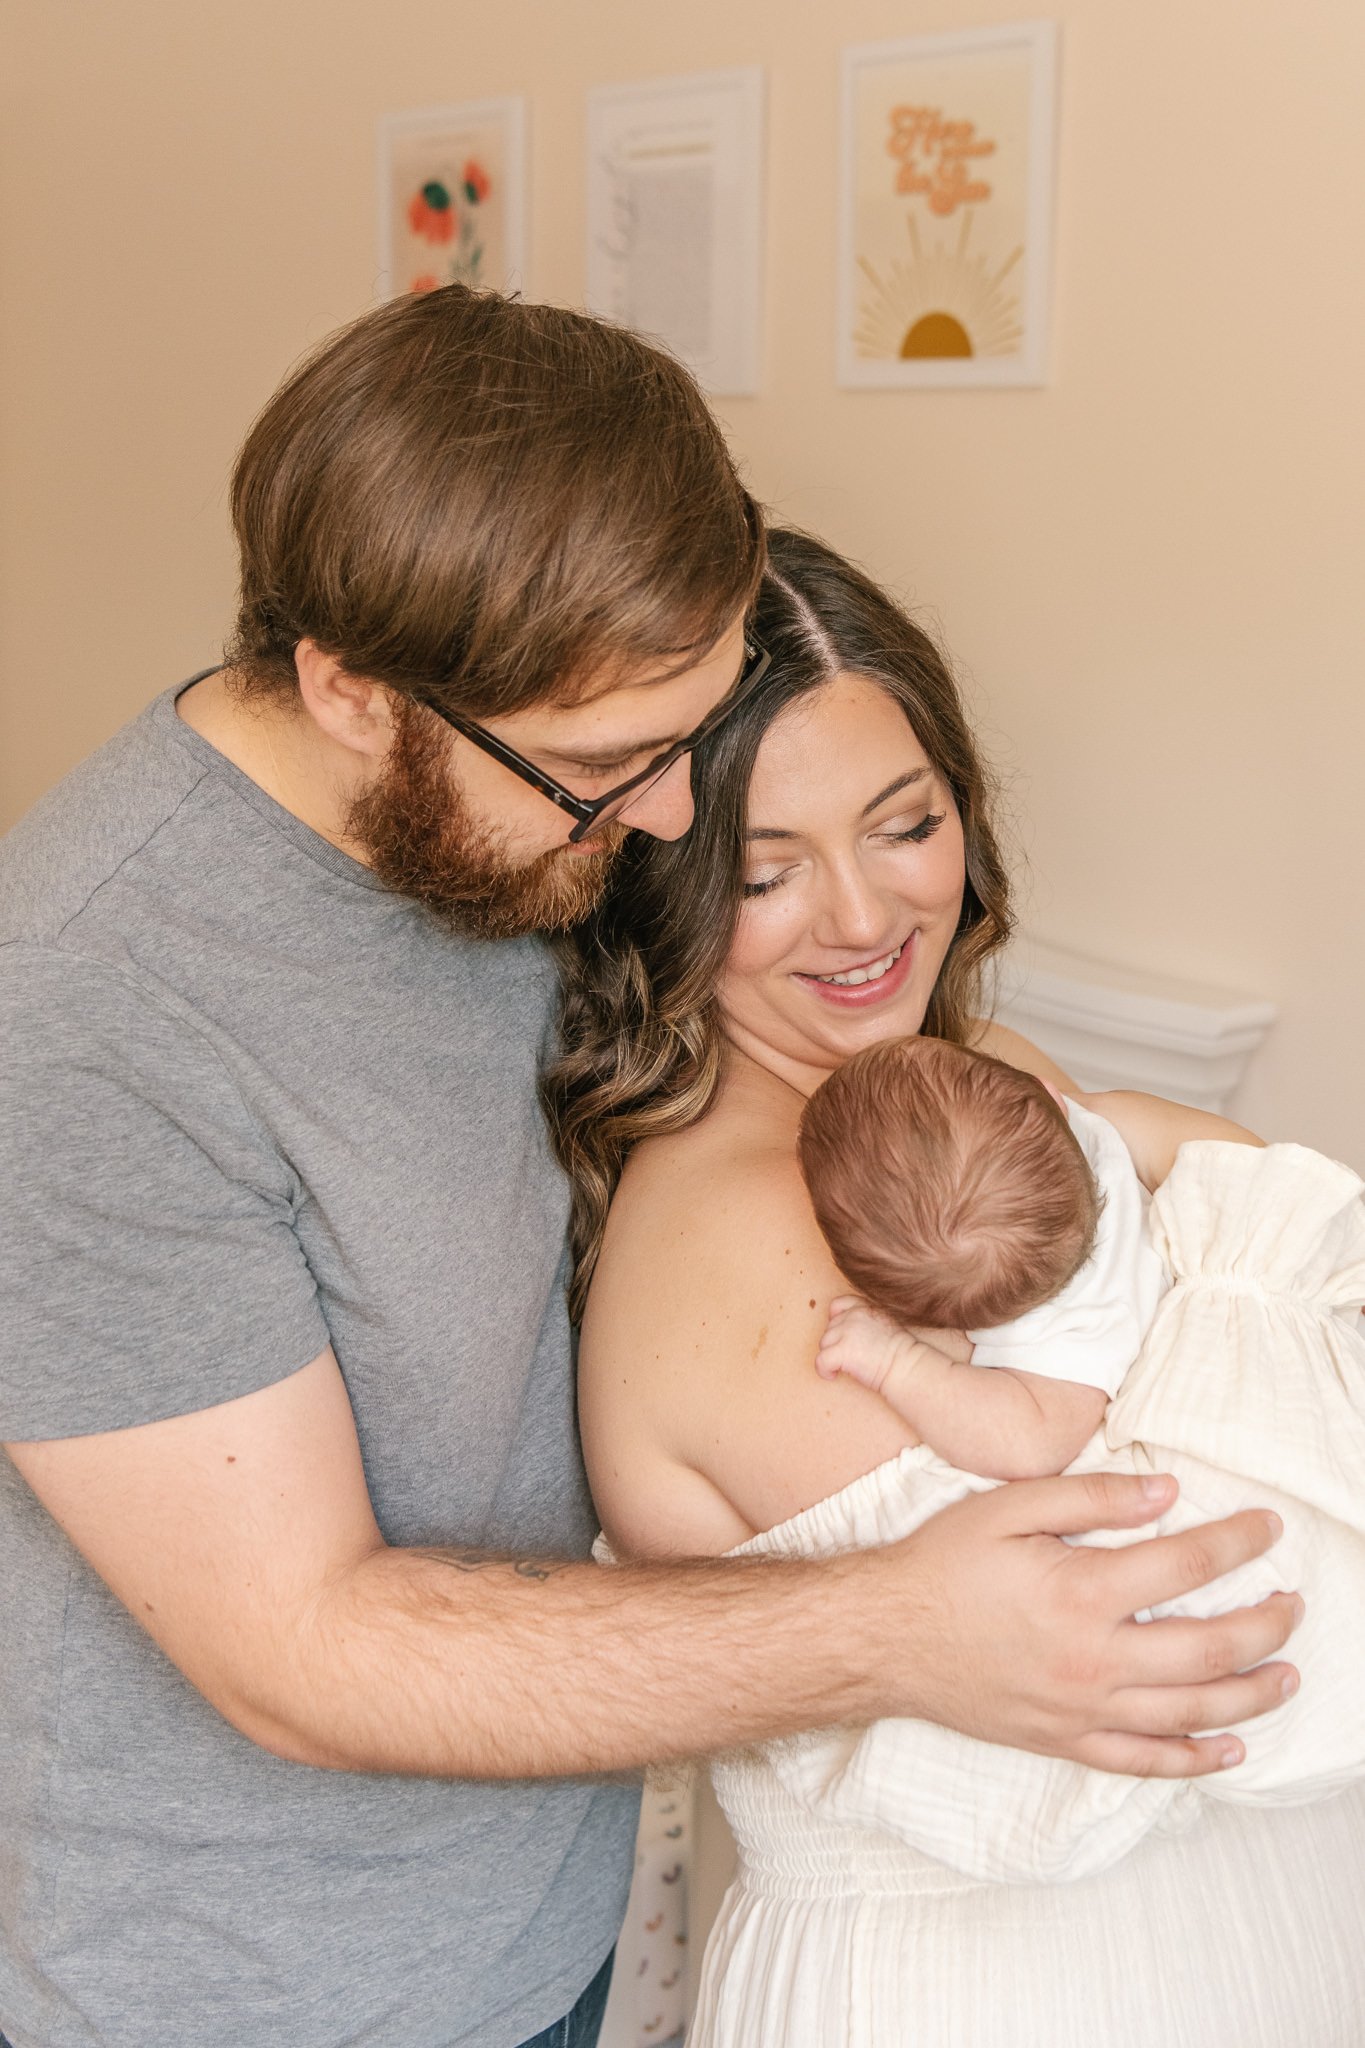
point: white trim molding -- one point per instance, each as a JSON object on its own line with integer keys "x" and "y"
{"x": 1120, "y": 1027}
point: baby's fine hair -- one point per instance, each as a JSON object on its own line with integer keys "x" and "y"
{"x": 950, "y": 1186}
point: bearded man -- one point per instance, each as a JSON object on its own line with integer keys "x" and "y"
{"x": 310, "y": 1693}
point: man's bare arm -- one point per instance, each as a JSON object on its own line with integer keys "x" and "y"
{"x": 243, "y": 1540}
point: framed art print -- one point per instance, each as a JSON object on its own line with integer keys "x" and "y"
{"x": 675, "y": 218}
{"x": 946, "y": 216}
{"x": 452, "y": 197}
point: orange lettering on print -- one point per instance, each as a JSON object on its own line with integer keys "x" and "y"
{"x": 934, "y": 157}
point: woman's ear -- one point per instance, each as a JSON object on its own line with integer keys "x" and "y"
{"x": 357, "y": 714}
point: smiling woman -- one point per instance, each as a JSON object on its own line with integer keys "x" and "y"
{"x": 847, "y": 921}
{"x": 776, "y": 904}
{"x": 840, "y": 891}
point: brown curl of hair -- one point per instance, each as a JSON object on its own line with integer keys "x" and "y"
{"x": 641, "y": 1038}
{"x": 485, "y": 504}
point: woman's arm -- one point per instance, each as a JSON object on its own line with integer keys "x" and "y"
{"x": 1154, "y": 1129}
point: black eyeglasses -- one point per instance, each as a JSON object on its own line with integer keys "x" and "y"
{"x": 599, "y": 810}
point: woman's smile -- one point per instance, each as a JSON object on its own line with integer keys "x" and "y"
{"x": 872, "y": 982}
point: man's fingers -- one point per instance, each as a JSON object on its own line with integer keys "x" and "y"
{"x": 1175, "y": 1651}
{"x": 1089, "y": 1500}
{"x": 1150, "y": 1573}
{"x": 1167, "y": 1568}
{"x": 1194, "y": 1709}
{"x": 1152, "y": 1756}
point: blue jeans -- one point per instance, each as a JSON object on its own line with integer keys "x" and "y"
{"x": 579, "y": 2028}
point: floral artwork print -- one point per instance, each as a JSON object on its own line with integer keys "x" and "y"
{"x": 449, "y": 218}
{"x": 451, "y": 197}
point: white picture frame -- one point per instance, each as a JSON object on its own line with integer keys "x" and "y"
{"x": 675, "y": 218}
{"x": 946, "y": 206}
{"x": 452, "y": 196}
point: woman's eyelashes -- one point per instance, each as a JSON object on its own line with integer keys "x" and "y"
{"x": 912, "y": 835}
{"x": 917, "y": 833}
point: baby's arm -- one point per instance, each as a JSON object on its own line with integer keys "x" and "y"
{"x": 986, "y": 1419}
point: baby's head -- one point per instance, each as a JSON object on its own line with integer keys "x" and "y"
{"x": 950, "y": 1186}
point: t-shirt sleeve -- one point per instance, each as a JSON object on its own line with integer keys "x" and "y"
{"x": 147, "y": 1242}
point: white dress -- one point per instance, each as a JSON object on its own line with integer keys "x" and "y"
{"x": 902, "y": 1883}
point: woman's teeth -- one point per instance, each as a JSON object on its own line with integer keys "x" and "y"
{"x": 861, "y": 974}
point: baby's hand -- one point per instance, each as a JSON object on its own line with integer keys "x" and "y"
{"x": 860, "y": 1342}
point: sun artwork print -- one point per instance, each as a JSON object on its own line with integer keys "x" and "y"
{"x": 943, "y": 298}
{"x": 939, "y": 246}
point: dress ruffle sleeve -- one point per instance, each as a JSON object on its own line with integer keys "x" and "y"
{"x": 1250, "y": 1388}
{"x": 1255, "y": 1361}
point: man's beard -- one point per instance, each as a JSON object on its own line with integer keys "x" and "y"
{"x": 416, "y": 833}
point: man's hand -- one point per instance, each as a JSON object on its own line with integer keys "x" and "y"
{"x": 1032, "y": 1642}
{"x": 242, "y": 1539}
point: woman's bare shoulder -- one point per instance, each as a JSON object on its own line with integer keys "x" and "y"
{"x": 707, "y": 1230}
{"x": 1017, "y": 1051}
{"x": 698, "y": 1348}
{"x": 1152, "y": 1128}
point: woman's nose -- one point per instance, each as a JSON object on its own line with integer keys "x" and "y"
{"x": 852, "y": 913}
{"x": 665, "y": 809}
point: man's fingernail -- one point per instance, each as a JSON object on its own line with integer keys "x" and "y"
{"x": 1289, "y": 1685}
{"x": 1274, "y": 1524}
{"x": 1231, "y": 1753}
{"x": 1299, "y": 1609}
{"x": 1155, "y": 1488}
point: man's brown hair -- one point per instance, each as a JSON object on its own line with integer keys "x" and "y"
{"x": 950, "y": 1186}
{"x": 483, "y": 503}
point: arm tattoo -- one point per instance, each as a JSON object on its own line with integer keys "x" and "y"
{"x": 537, "y": 1569}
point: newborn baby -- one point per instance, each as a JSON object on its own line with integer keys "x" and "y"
{"x": 1223, "y": 1317}
{"x": 962, "y": 1195}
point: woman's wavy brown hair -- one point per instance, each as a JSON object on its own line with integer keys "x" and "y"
{"x": 640, "y": 1034}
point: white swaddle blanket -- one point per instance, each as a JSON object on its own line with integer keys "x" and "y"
{"x": 1250, "y": 1389}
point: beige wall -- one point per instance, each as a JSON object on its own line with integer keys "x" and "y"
{"x": 1150, "y": 572}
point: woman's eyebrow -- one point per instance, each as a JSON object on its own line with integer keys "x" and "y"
{"x": 894, "y": 788}
{"x": 901, "y": 782}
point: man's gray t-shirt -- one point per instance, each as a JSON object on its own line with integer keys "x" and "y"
{"x": 252, "y": 1104}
